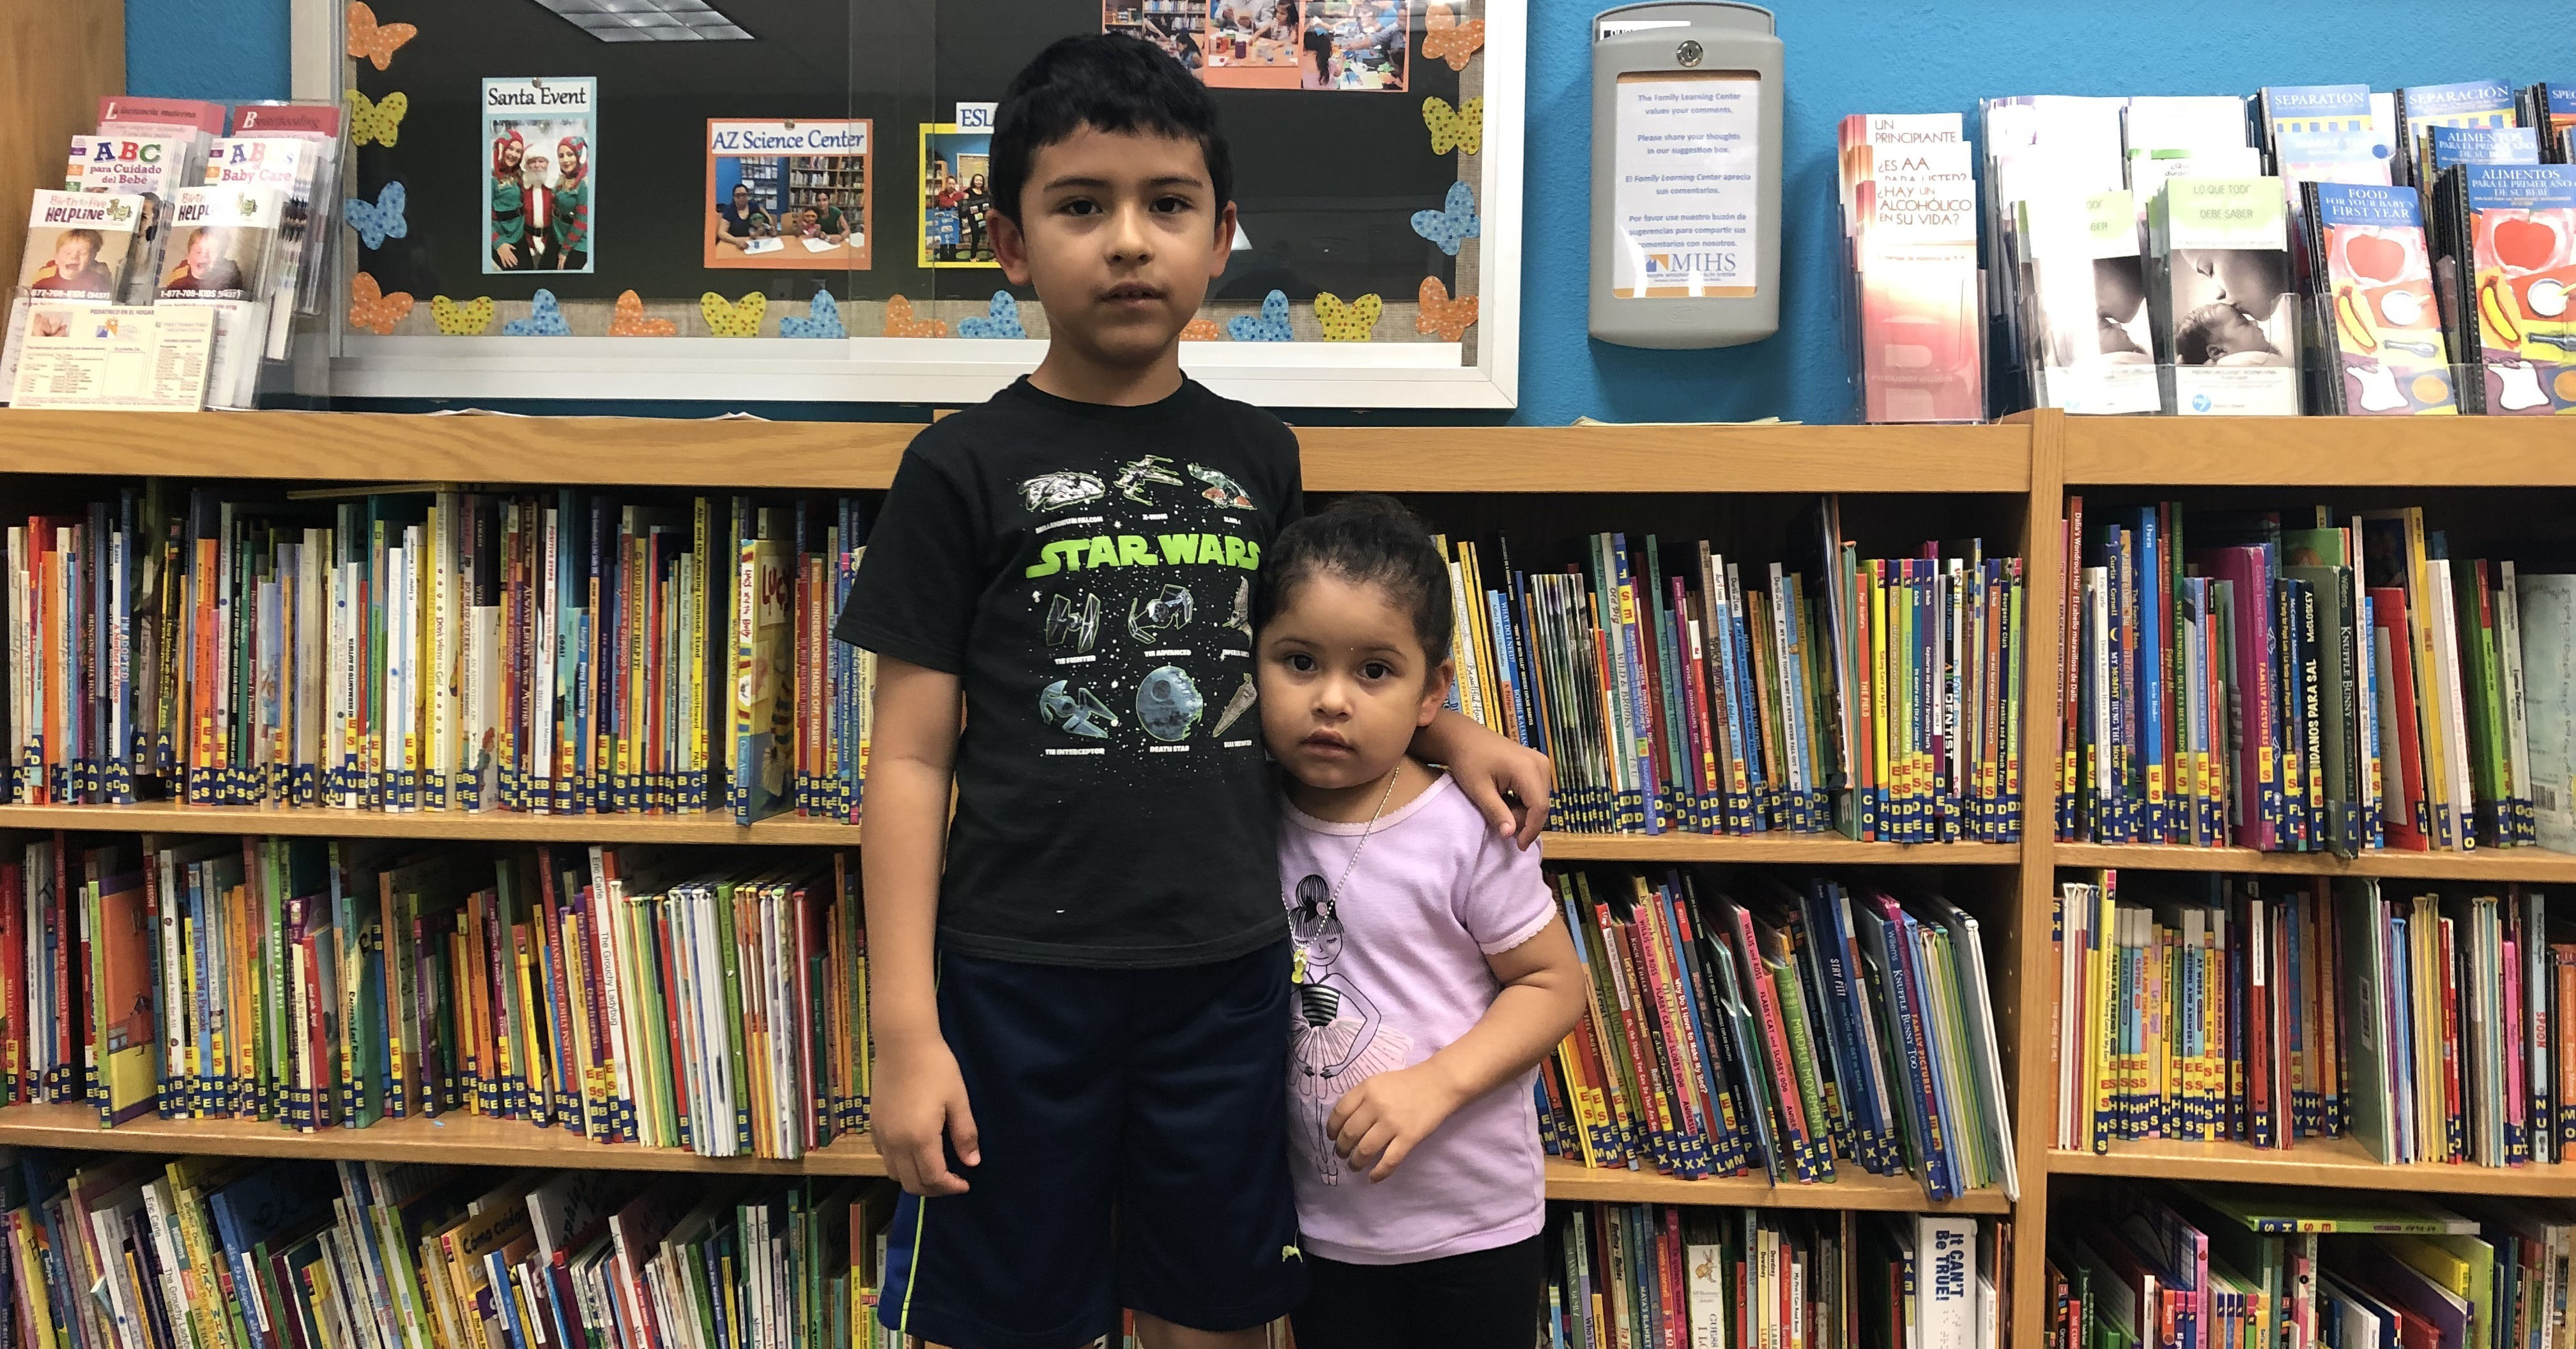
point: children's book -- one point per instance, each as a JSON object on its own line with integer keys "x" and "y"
{"x": 2087, "y": 278}
{"x": 2229, "y": 316}
{"x": 762, "y": 695}
{"x": 2373, "y": 290}
{"x": 2547, "y": 603}
{"x": 223, "y": 245}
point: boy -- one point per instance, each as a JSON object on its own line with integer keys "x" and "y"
{"x": 1071, "y": 564}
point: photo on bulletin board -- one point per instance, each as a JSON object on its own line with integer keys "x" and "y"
{"x": 954, "y": 197}
{"x": 543, "y": 138}
{"x": 1324, "y": 45}
{"x": 789, "y": 196}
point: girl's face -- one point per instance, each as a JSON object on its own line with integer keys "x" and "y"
{"x": 975, "y": 184}
{"x": 569, "y": 162}
{"x": 1344, "y": 682}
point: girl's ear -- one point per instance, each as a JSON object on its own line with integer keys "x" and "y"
{"x": 1435, "y": 692}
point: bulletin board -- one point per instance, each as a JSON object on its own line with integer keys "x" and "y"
{"x": 823, "y": 252}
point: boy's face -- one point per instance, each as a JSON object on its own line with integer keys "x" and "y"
{"x": 1119, "y": 233}
{"x": 202, "y": 248}
{"x": 1344, "y": 683}
{"x": 71, "y": 254}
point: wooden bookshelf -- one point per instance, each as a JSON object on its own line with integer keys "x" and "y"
{"x": 475, "y": 1140}
{"x": 2339, "y": 1163}
{"x": 2013, "y": 478}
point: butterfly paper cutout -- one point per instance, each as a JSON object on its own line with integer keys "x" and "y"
{"x": 899, "y": 321}
{"x": 1000, "y": 319}
{"x": 1461, "y": 128}
{"x": 370, "y": 308}
{"x": 1271, "y": 326}
{"x": 378, "y": 220}
{"x": 1455, "y": 221}
{"x": 461, "y": 318}
{"x": 1347, "y": 322}
{"x": 734, "y": 318}
{"x": 380, "y": 122}
{"x": 375, "y": 41}
{"x": 1443, "y": 315}
{"x": 822, "y": 318}
{"x": 1446, "y": 39}
{"x": 1202, "y": 330}
{"x": 629, "y": 320}
{"x": 545, "y": 319}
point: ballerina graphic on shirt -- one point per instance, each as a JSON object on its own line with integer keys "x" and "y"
{"x": 1338, "y": 1037}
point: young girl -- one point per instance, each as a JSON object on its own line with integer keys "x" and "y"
{"x": 1431, "y": 972}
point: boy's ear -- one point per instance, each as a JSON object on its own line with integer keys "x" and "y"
{"x": 1224, "y": 242}
{"x": 1010, "y": 247}
{"x": 1435, "y": 692}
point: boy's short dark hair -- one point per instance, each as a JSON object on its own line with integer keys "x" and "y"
{"x": 1365, "y": 539}
{"x": 1108, "y": 81}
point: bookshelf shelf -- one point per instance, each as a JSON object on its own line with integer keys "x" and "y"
{"x": 2334, "y": 1162}
{"x": 574, "y": 830}
{"x": 2498, "y": 865}
{"x": 2320, "y": 452}
{"x": 474, "y": 1140}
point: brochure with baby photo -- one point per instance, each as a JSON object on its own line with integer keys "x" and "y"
{"x": 314, "y": 204}
{"x": 2087, "y": 277}
{"x": 80, "y": 251}
{"x": 141, "y": 166}
{"x": 223, "y": 247}
{"x": 2373, "y": 293}
{"x": 2228, "y": 320}
{"x": 2509, "y": 231}
{"x": 295, "y": 168}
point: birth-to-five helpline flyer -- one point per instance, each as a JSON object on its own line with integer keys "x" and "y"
{"x": 541, "y": 134}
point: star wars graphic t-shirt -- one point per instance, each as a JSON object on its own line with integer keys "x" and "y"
{"x": 1086, "y": 571}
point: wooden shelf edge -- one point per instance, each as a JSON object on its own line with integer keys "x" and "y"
{"x": 2488, "y": 864}
{"x": 509, "y": 827}
{"x": 472, "y": 1140}
{"x": 2334, "y": 1163}
{"x": 2320, "y": 452}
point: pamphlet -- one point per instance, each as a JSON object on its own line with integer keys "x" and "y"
{"x": 116, "y": 358}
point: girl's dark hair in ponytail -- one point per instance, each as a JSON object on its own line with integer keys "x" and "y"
{"x": 1364, "y": 539}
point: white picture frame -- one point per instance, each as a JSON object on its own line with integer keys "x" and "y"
{"x": 948, "y": 371}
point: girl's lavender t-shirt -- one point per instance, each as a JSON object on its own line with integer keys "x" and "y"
{"x": 1389, "y": 972}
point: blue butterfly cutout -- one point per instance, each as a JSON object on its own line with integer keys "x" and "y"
{"x": 1455, "y": 221}
{"x": 545, "y": 319}
{"x": 1003, "y": 319}
{"x": 1272, "y": 326}
{"x": 824, "y": 320}
{"x": 378, "y": 220}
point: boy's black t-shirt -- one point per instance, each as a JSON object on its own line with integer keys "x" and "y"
{"x": 1087, "y": 573}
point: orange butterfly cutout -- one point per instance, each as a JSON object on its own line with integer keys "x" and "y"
{"x": 1202, "y": 330}
{"x": 372, "y": 309}
{"x": 374, "y": 41}
{"x": 629, "y": 321}
{"x": 1444, "y": 38}
{"x": 1443, "y": 315}
{"x": 900, "y": 322}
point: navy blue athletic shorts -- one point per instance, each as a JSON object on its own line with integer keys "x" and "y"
{"x": 1135, "y": 1154}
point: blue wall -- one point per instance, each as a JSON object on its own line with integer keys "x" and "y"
{"x": 1844, "y": 56}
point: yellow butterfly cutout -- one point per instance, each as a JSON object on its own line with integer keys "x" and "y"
{"x": 1462, "y": 129}
{"x": 1442, "y": 315}
{"x": 734, "y": 318}
{"x": 1347, "y": 322}
{"x": 371, "y": 308}
{"x": 378, "y": 122}
{"x": 1444, "y": 38}
{"x": 372, "y": 40}
{"x": 461, "y": 319}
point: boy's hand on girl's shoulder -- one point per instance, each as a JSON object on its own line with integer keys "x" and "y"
{"x": 1508, "y": 783}
{"x": 1378, "y": 1123}
{"x": 919, "y": 1111}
